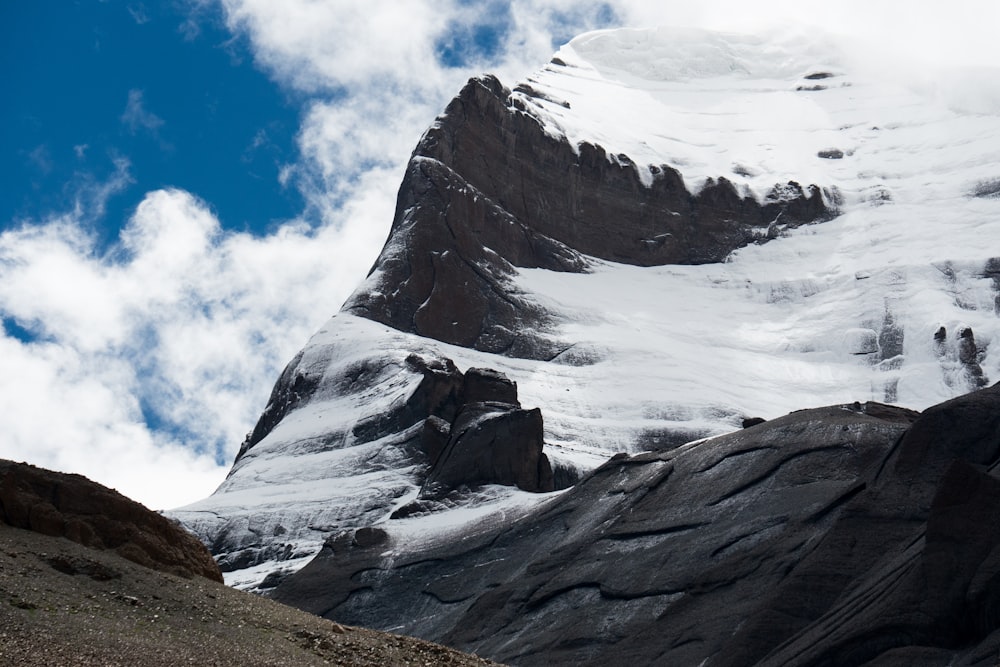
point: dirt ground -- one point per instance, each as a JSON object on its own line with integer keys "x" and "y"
{"x": 64, "y": 604}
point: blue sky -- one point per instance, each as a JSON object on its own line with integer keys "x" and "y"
{"x": 191, "y": 187}
{"x": 91, "y": 86}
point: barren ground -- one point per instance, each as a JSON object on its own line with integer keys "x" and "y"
{"x": 64, "y": 604}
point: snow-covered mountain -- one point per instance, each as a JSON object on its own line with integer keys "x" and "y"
{"x": 657, "y": 235}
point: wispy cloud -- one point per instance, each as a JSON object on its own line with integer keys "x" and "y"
{"x": 136, "y": 117}
{"x": 41, "y": 159}
{"x": 138, "y": 13}
{"x": 91, "y": 195}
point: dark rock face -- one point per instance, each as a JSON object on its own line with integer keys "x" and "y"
{"x": 492, "y": 443}
{"x": 965, "y": 350}
{"x": 73, "y": 507}
{"x": 968, "y": 356}
{"x": 485, "y": 384}
{"x": 488, "y": 190}
{"x": 491, "y": 440}
{"x": 847, "y": 535}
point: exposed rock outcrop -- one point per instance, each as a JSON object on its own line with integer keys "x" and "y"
{"x": 72, "y": 506}
{"x": 491, "y": 440}
{"x": 492, "y": 443}
{"x": 488, "y": 189}
{"x": 968, "y": 356}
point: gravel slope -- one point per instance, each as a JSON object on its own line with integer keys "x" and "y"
{"x": 64, "y": 604}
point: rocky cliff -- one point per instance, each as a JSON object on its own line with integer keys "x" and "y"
{"x": 489, "y": 190}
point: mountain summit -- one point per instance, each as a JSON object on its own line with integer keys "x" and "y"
{"x": 657, "y": 236}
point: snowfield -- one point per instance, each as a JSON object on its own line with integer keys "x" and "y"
{"x": 875, "y": 304}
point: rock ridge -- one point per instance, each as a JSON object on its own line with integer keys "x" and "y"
{"x": 489, "y": 190}
{"x": 82, "y": 511}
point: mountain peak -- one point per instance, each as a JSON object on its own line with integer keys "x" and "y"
{"x": 652, "y": 251}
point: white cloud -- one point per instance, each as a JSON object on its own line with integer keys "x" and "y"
{"x": 181, "y": 325}
{"x": 342, "y": 43}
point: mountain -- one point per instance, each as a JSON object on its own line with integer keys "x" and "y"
{"x": 658, "y": 237}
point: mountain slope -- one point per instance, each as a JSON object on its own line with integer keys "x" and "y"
{"x": 657, "y": 235}
{"x": 832, "y": 536}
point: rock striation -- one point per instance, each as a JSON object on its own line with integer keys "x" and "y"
{"x": 843, "y": 535}
{"x": 442, "y": 438}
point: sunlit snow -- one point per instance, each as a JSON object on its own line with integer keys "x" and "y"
{"x": 840, "y": 311}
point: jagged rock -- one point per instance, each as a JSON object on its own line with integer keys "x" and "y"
{"x": 488, "y": 190}
{"x": 487, "y": 385}
{"x": 492, "y": 443}
{"x": 434, "y": 437}
{"x": 73, "y": 507}
{"x": 438, "y": 394}
{"x": 968, "y": 356}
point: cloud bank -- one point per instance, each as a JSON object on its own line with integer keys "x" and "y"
{"x": 143, "y": 365}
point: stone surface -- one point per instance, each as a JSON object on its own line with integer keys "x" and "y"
{"x": 848, "y": 535}
{"x": 72, "y": 506}
{"x": 492, "y": 443}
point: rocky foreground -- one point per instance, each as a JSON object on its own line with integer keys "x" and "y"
{"x": 63, "y": 603}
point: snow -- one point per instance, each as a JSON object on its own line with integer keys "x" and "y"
{"x": 681, "y": 352}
